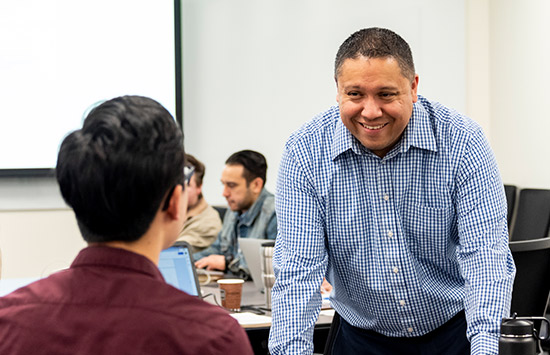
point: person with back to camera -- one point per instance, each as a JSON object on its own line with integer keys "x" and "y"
{"x": 399, "y": 202}
{"x": 252, "y": 213}
{"x": 123, "y": 175}
{"x": 203, "y": 222}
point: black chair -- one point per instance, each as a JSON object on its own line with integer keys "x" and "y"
{"x": 511, "y": 192}
{"x": 531, "y": 289}
{"x": 532, "y": 220}
{"x": 221, "y": 210}
{"x": 532, "y": 283}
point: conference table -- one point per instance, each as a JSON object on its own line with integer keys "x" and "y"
{"x": 255, "y": 318}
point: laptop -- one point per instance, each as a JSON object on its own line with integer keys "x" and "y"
{"x": 178, "y": 268}
{"x": 252, "y": 252}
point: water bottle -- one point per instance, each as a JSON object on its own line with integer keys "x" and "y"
{"x": 268, "y": 276}
{"x": 518, "y": 336}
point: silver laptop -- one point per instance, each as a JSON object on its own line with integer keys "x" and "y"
{"x": 178, "y": 268}
{"x": 251, "y": 249}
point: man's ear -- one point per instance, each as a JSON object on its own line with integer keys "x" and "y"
{"x": 175, "y": 205}
{"x": 257, "y": 185}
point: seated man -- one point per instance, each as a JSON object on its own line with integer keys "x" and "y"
{"x": 122, "y": 174}
{"x": 252, "y": 216}
{"x": 203, "y": 222}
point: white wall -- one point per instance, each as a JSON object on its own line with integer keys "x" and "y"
{"x": 36, "y": 243}
{"x": 486, "y": 57}
{"x": 256, "y": 70}
{"x": 519, "y": 95}
{"x": 477, "y": 63}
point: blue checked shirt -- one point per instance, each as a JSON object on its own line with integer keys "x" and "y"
{"x": 407, "y": 240}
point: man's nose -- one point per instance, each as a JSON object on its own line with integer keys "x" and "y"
{"x": 371, "y": 108}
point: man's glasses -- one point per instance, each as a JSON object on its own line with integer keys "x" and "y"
{"x": 188, "y": 172}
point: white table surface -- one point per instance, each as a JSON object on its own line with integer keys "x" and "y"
{"x": 10, "y": 285}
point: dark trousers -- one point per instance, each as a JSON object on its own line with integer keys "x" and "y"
{"x": 449, "y": 339}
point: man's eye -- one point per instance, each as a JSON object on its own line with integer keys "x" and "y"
{"x": 386, "y": 95}
{"x": 353, "y": 94}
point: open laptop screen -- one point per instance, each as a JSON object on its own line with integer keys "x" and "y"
{"x": 178, "y": 268}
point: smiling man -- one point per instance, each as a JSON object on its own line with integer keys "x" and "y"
{"x": 252, "y": 216}
{"x": 398, "y": 201}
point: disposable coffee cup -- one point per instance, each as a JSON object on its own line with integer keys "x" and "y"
{"x": 231, "y": 291}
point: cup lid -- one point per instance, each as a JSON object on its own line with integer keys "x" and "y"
{"x": 230, "y": 281}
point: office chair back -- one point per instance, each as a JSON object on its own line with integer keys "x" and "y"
{"x": 531, "y": 286}
{"x": 221, "y": 211}
{"x": 511, "y": 192}
{"x": 532, "y": 219}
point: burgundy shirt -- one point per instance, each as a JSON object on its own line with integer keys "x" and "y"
{"x": 112, "y": 301}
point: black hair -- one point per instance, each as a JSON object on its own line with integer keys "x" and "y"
{"x": 376, "y": 43}
{"x": 254, "y": 164}
{"x": 116, "y": 171}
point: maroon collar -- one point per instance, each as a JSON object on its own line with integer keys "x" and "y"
{"x": 116, "y": 258}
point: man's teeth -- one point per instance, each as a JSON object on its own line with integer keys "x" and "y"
{"x": 373, "y": 127}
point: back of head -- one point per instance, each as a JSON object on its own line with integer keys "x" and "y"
{"x": 117, "y": 169}
{"x": 376, "y": 43}
{"x": 200, "y": 169}
{"x": 254, "y": 164}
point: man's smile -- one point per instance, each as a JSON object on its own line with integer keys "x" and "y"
{"x": 373, "y": 127}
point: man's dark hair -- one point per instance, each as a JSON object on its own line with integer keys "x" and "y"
{"x": 376, "y": 43}
{"x": 254, "y": 164}
{"x": 117, "y": 170}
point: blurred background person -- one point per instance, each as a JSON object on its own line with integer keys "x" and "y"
{"x": 252, "y": 213}
{"x": 203, "y": 222}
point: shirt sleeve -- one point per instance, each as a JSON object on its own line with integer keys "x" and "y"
{"x": 299, "y": 260}
{"x": 215, "y": 249}
{"x": 271, "y": 231}
{"x": 484, "y": 256}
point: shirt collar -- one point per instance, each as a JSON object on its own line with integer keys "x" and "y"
{"x": 418, "y": 134}
{"x": 343, "y": 140}
{"x": 116, "y": 258}
{"x": 248, "y": 217}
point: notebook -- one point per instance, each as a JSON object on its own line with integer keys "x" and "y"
{"x": 178, "y": 268}
{"x": 251, "y": 249}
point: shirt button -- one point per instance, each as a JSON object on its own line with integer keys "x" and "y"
{"x": 410, "y": 329}
{"x": 395, "y": 270}
{"x": 402, "y": 303}
{"x": 390, "y": 234}
{"x": 386, "y": 197}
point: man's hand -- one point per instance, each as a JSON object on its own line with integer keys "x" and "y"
{"x": 211, "y": 262}
{"x": 326, "y": 287}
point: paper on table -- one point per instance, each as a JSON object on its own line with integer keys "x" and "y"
{"x": 251, "y": 319}
{"x": 327, "y": 312}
